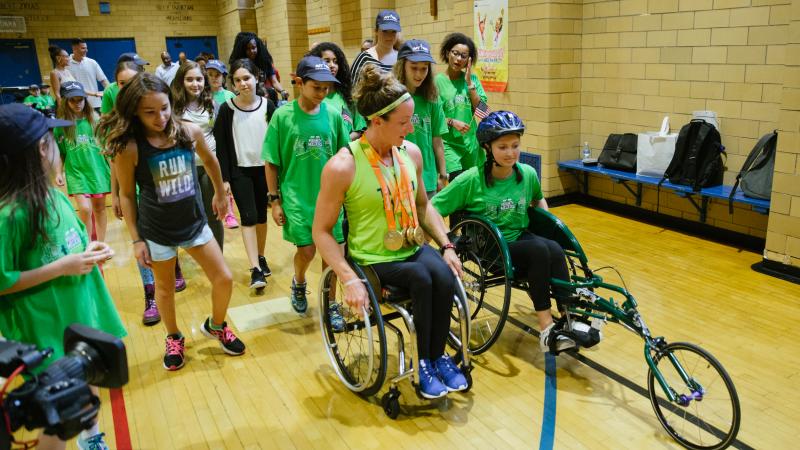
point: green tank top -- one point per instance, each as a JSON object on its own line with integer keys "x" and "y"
{"x": 365, "y": 214}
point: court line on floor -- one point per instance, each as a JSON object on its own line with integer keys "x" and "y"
{"x": 122, "y": 432}
{"x": 630, "y": 384}
{"x": 547, "y": 436}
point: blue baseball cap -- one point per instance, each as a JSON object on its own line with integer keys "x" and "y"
{"x": 315, "y": 68}
{"x": 131, "y": 56}
{"x": 22, "y": 126}
{"x": 72, "y": 89}
{"x": 388, "y": 19}
{"x": 217, "y": 65}
{"x": 416, "y": 50}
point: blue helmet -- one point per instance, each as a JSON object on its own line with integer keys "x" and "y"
{"x": 499, "y": 123}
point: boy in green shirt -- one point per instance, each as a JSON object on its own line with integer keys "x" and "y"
{"x": 35, "y": 99}
{"x": 217, "y": 71}
{"x": 301, "y": 137}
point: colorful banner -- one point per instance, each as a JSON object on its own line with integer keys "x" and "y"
{"x": 491, "y": 38}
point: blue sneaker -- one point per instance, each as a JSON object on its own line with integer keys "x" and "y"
{"x": 337, "y": 320}
{"x": 95, "y": 442}
{"x": 430, "y": 386}
{"x": 450, "y": 374}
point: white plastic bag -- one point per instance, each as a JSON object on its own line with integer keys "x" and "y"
{"x": 654, "y": 151}
{"x": 708, "y": 116}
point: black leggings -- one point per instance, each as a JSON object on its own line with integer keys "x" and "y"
{"x": 431, "y": 284}
{"x": 538, "y": 259}
{"x": 249, "y": 188}
{"x": 207, "y": 190}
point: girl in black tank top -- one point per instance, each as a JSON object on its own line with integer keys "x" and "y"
{"x": 153, "y": 149}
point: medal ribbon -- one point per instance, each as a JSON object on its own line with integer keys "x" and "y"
{"x": 395, "y": 200}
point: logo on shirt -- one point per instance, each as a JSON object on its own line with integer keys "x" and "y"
{"x": 173, "y": 175}
{"x": 72, "y": 243}
{"x": 506, "y": 206}
{"x": 416, "y": 120}
{"x": 314, "y": 147}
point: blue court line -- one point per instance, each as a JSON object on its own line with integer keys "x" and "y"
{"x": 547, "y": 436}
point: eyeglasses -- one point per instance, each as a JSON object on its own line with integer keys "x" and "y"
{"x": 457, "y": 54}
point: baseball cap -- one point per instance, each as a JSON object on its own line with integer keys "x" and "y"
{"x": 71, "y": 89}
{"x": 33, "y": 86}
{"x": 217, "y": 65}
{"x": 315, "y": 68}
{"x": 416, "y": 50}
{"x": 130, "y": 56}
{"x": 22, "y": 126}
{"x": 388, "y": 19}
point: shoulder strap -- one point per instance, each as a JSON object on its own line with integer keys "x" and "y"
{"x": 696, "y": 148}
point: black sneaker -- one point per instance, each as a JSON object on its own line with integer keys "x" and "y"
{"x": 173, "y": 357}
{"x": 230, "y": 344}
{"x": 299, "y": 301}
{"x": 257, "y": 280}
{"x": 262, "y": 264}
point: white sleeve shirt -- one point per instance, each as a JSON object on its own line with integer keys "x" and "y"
{"x": 88, "y": 73}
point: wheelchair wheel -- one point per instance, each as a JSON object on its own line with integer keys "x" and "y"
{"x": 706, "y": 412}
{"x": 487, "y": 287}
{"x": 357, "y": 351}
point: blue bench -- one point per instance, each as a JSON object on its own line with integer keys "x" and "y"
{"x": 634, "y": 183}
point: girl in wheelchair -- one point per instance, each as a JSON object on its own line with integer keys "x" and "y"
{"x": 502, "y": 190}
{"x": 378, "y": 180}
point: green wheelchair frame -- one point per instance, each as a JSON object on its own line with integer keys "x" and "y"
{"x": 680, "y": 398}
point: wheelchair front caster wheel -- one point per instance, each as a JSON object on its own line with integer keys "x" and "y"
{"x": 391, "y": 404}
{"x": 468, "y": 375}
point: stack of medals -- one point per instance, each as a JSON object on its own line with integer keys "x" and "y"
{"x": 398, "y": 197}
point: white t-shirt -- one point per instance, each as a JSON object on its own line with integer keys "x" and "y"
{"x": 167, "y": 74}
{"x": 205, "y": 122}
{"x": 249, "y": 130}
{"x": 88, "y": 73}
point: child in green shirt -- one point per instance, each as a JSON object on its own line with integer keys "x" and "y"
{"x": 413, "y": 69}
{"x": 87, "y": 171}
{"x": 502, "y": 191}
{"x": 340, "y": 96}
{"x": 48, "y": 268}
{"x": 301, "y": 137}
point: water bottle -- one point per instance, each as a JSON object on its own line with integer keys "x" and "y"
{"x": 586, "y": 153}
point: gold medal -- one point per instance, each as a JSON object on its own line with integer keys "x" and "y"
{"x": 419, "y": 236}
{"x": 408, "y": 237}
{"x": 393, "y": 240}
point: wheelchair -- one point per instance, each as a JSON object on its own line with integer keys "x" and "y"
{"x": 358, "y": 353}
{"x": 691, "y": 394}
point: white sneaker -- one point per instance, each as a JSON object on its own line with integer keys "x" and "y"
{"x": 563, "y": 342}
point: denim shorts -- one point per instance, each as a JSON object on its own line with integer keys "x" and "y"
{"x": 160, "y": 252}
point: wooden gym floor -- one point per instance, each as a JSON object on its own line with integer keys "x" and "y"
{"x": 284, "y": 394}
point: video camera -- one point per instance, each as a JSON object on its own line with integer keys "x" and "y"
{"x": 59, "y": 399}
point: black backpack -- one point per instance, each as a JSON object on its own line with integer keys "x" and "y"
{"x": 756, "y": 174}
{"x": 697, "y": 161}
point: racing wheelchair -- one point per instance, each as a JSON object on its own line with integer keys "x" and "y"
{"x": 358, "y": 352}
{"x": 692, "y": 395}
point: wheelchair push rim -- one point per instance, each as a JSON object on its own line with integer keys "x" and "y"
{"x": 357, "y": 353}
{"x": 693, "y": 397}
{"x": 486, "y": 266}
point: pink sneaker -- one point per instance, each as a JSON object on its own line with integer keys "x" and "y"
{"x": 231, "y": 222}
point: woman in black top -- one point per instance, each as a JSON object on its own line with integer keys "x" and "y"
{"x": 248, "y": 45}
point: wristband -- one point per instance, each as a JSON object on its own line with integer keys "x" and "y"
{"x": 449, "y": 122}
{"x": 448, "y": 246}
{"x": 471, "y": 88}
{"x": 137, "y": 241}
{"x": 352, "y": 281}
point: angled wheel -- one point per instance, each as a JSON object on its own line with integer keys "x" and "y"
{"x": 485, "y": 263}
{"x": 705, "y": 413}
{"x": 391, "y": 404}
{"x": 355, "y": 345}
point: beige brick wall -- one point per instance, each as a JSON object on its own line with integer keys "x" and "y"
{"x": 643, "y": 60}
{"x": 783, "y": 233}
{"x": 149, "y": 22}
{"x": 283, "y": 25}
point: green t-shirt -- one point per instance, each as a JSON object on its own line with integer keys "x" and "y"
{"x": 38, "y": 102}
{"x": 86, "y": 168}
{"x": 461, "y": 151}
{"x": 222, "y": 95}
{"x": 336, "y": 101}
{"x": 48, "y": 101}
{"x": 109, "y": 98}
{"x": 39, "y": 315}
{"x": 505, "y": 202}
{"x": 300, "y": 144}
{"x": 366, "y": 216}
{"x": 429, "y": 122}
